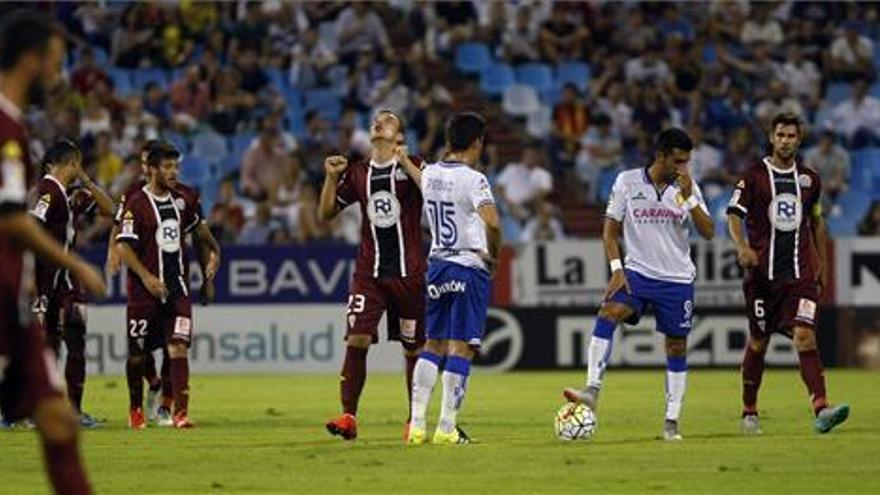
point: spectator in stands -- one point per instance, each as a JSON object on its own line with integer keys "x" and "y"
{"x": 262, "y": 164}
{"x": 227, "y": 215}
{"x": 754, "y": 71}
{"x": 251, "y": 33}
{"x": 259, "y": 229}
{"x": 176, "y": 41}
{"x": 121, "y": 142}
{"x": 739, "y": 155}
{"x": 651, "y": 115}
{"x": 310, "y": 59}
{"x": 520, "y": 41}
{"x": 525, "y": 184}
{"x": 777, "y": 101}
{"x": 833, "y": 164}
{"x": 230, "y": 105}
{"x": 705, "y": 166}
{"x": 560, "y": 39}
{"x": 391, "y": 92}
{"x": 156, "y": 104}
{"x": 858, "y": 118}
{"x": 673, "y": 25}
{"x": 734, "y": 112}
{"x": 617, "y": 108}
{"x": 637, "y": 34}
{"x": 87, "y": 75}
{"x": 359, "y": 28}
{"x": 601, "y": 153}
{"x": 253, "y": 78}
{"x": 456, "y": 22}
{"x": 95, "y": 117}
{"x": 870, "y": 225}
{"x": 317, "y": 142}
{"x": 138, "y": 122}
{"x": 107, "y": 163}
{"x": 359, "y": 137}
{"x": 190, "y": 99}
{"x": 647, "y": 68}
{"x": 851, "y": 55}
{"x": 131, "y": 40}
{"x": 802, "y": 76}
{"x": 762, "y": 28}
{"x": 570, "y": 122}
{"x": 545, "y": 226}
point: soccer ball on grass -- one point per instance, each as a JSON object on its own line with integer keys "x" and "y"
{"x": 575, "y": 422}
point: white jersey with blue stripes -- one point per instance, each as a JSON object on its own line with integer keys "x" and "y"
{"x": 453, "y": 193}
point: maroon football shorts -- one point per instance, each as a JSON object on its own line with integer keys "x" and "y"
{"x": 28, "y": 374}
{"x": 402, "y": 297}
{"x": 152, "y": 325}
{"x": 778, "y": 307}
{"x": 61, "y": 309}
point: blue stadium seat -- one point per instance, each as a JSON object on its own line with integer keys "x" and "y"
{"x": 277, "y": 78}
{"x": 210, "y": 189}
{"x": 854, "y": 204}
{"x": 837, "y": 92}
{"x": 240, "y": 142}
{"x": 496, "y": 78}
{"x": 326, "y": 101}
{"x": 122, "y": 84}
{"x": 178, "y": 140}
{"x": 538, "y": 76}
{"x": 142, "y": 77}
{"x": 194, "y": 171}
{"x": 606, "y": 182}
{"x": 520, "y": 100}
{"x": 551, "y": 96}
{"x": 209, "y": 146}
{"x": 338, "y": 77}
{"x": 573, "y": 72}
{"x": 472, "y": 57}
{"x": 843, "y": 226}
{"x": 874, "y": 90}
{"x": 295, "y": 122}
{"x": 865, "y": 166}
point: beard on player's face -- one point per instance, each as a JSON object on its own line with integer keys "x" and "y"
{"x": 37, "y": 93}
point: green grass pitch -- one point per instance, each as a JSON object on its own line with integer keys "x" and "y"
{"x": 262, "y": 434}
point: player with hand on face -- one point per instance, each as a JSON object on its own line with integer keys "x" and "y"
{"x": 654, "y": 208}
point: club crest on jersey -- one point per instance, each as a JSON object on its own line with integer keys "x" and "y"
{"x": 805, "y": 181}
{"x": 180, "y": 204}
{"x": 383, "y": 209}
{"x": 785, "y": 212}
{"x": 168, "y": 236}
{"x": 42, "y": 207}
{"x": 12, "y": 170}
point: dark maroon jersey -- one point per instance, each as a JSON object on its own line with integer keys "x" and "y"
{"x": 58, "y": 209}
{"x": 16, "y": 175}
{"x": 155, "y": 228}
{"x": 778, "y": 207}
{"x": 391, "y": 208}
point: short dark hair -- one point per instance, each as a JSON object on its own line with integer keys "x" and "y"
{"x": 150, "y": 144}
{"x": 24, "y": 31}
{"x": 463, "y": 129}
{"x": 786, "y": 118}
{"x": 161, "y": 152}
{"x": 61, "y": 151}
{"x": 673, "y": 138}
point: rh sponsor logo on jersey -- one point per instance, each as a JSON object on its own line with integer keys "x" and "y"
{"x": 785, "y": 212}
{"x": 384, "y": 209}
{"x": 168, "y": 236}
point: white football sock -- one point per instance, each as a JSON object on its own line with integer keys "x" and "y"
{"x": 676, "y": 384}
{"x": 598, "y": 353}
{"x": 424, "y": 378}
{"x": 454, "y": 388}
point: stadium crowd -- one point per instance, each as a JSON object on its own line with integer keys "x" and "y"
{"x": 256, "y": 94}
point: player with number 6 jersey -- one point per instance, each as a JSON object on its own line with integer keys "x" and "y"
{"x": 390, "y": 266}
{"x": 785, "y": 257}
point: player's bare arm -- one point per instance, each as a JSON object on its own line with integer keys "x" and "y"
{"x": 820, "y": 233}
{"x": 704, "y": 223}
{"x": 151, "y": 282}
{"x": 25, "y": 229}
{"x": 102, "y": 199}
{"x": 413, "y": 170}
{"x": 209, "y": 260}
{"x": 611, "y": 232}
{"x": 747, "y": 256}
{"x": 489, "y": 214}
{"x": 334, "y": 166}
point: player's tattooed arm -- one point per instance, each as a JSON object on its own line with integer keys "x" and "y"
{"x": 747, "y": 256}
{"x": 413, "y": 170}
{"x": 820, "y": 233}
{"x": 102, "y": 199}
{"x": 611, "y": 233}
{"x": 328, "y": 206}
{"x": 150, "y": 281}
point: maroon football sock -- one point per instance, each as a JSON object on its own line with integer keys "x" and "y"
{"x": 150, "y": 371}
{"x": 134, "y": 373}
{"x": 180, "y": 383}
{"x": 65, "y": 469}
{"x": 167, "y": 384}
{"x": 354, "y": 374}
{"x": 410, "y": 366}
{"x": 75, "y": 367}
{"x": 814, "y": 378}
{"x": 752, "y": 372}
